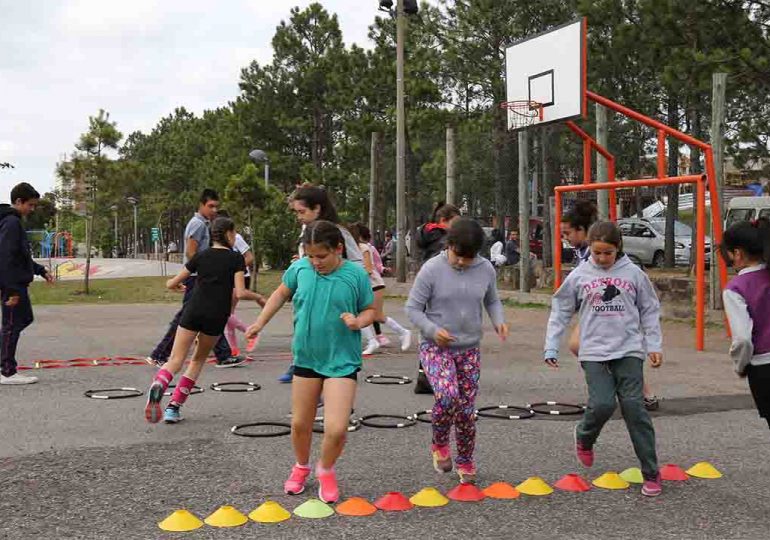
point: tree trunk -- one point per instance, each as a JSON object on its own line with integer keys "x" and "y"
{"x": 695, "y": 168}
{"x": 672, "y": 206}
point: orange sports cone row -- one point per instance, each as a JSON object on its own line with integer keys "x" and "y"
{"x": 673, "y": 473}
{"x": 356, "y": 506}
{"x": 466, "y": 493}
{"x": 572, "y": 482}
{"x": 393, "y": 501}
{"x": 501, "y": 490}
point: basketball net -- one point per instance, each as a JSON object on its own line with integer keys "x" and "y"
{"x": 522, "y": 113}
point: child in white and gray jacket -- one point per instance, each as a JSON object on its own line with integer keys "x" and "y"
{"x": 620, "y": 325}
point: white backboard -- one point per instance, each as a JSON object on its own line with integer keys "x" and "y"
{"x": 550, "y": 68}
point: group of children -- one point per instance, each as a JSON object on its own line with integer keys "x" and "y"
{"x": 333, "y": 288}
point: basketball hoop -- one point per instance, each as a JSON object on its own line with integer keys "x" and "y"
{"x": 522, "y": 113}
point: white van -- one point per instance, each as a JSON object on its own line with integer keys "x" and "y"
{"x": 747, "y": 209}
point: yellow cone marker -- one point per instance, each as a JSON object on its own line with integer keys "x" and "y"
{"x": 429, "y": 497}
{"x": 611, "y": 480}
{"x": 226, "y": 516}
{"x": 181, "y": 521}
{"x": 269, "y": 512}
{"x": 704, "y": 469}
{"x": 534, "y": 485}
{"x": 633, "y": 475}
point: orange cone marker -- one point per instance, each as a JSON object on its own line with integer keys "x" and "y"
{"x": 466, "y": 493}
{"x": 356, "y": 506}
{"x": 673, "y": 473}
{"x": 501, "y": 490}
{"x": 393, "y": 501}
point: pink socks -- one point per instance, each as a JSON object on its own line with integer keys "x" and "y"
{"x": 182, "y": 390}
{"x": 164, "y": 377}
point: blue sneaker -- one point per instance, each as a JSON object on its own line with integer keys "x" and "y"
{"x": 171, "y": 415}
{"x": 288, "y": 376}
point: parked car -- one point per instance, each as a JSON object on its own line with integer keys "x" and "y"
{"x": 747, "y": 209}
{"x": 644, "y": 241}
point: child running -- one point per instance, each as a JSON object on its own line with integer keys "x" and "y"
{"x": 363, "y": 236}
{"x": 446, "y": 303}
{"x": 332, "y": 301}
{"x": 619, "y": 321}
{"x": 747, "y": 304}
{"x": 220, "y": 270}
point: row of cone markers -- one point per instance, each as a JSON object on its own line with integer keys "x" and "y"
{"x": 272, "y": 512}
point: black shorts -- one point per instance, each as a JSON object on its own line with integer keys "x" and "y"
{"x": 307, "y": 373}
{"x": 378, "y": 288}
{"x": 211, "y": 326}
{"x": 247, "y": 282}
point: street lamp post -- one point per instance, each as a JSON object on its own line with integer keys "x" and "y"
{"x": 260, "y": 156}
{"x": 134, "y": 202}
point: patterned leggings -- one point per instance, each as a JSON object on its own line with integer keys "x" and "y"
{"x": 454, "y": 376}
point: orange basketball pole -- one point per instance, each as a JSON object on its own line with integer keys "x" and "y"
{"x": 587, "y": 158}
{"x": 716, "y": 204}
{"x": 700, "y": 284}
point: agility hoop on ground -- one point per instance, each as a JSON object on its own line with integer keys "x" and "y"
{"x": 239, "y": 429}
{"x": 387, "y": 379}
{"x": 564, "y": 409}
{"x": 403, "y": 421}
{"x": 239, "y": 386}
{"x": 113, "y": 393}
{"x": 522, "y": 412}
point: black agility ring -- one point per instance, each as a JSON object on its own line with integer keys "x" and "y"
{"x": 365, "y": 421}
{"x": 524, "y": 412}
{"x": 387, "y": 379}
{"x": 237, "y": 430}
{"x": 101, "y": 394}
{"x": 195, "y": 390}
{"x": 539, "y": 408}
{"x": 419, "y": 416}
{"x": 353, "y": 425}
{"x": 249, "y": 386}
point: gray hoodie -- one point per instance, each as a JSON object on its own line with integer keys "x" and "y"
{"x": 443, "y": 297}
{"x": 619, "y": 312}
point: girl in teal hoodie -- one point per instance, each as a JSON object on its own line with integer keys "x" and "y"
{"x": 620, "y": 325}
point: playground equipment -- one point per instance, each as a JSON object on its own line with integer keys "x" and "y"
{"x": 549, "y": 72}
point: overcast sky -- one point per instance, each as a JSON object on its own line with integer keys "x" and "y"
{"x": 61, "y": 61}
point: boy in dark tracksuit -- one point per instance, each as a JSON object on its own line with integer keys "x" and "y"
{"x": 17, "y": 269}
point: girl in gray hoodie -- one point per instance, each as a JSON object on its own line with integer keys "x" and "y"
{"x": 620, "y": 325}
{"x": 446, "y": 303}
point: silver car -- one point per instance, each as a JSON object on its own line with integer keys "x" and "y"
{"x": 644, "y": 241}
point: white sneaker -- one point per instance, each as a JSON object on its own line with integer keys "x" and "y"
{"x": 372, "y": 347}
{"x": 17, "y": 378}
{"x": 383, "y": 340}
{"x": 406, "y": 340}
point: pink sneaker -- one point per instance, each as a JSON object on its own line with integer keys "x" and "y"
{"x": 296, "y": 482}
{"x": 585, "y": 456}
{"x": 467, "y": 473}
{"x": 328, "y": 491}
{"x": 442, "y": 459}
{"x": 652, "y": 488}
{"x": 383, "y": 340}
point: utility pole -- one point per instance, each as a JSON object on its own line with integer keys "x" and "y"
{"x": 450, "y": 165}
{"x": 524, "y": 210}
{"x": 400, "y": 147}
{"x": 719, "y": 89}
{"x": 602, "y": 197}
{"x": 374, "y": 184}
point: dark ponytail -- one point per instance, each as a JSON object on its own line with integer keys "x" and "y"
{"x": 753, "y": 237}
{"x": 219, "y": 229}
{"x": 444, "y": 211}
{"x": 313, "y": 196}
{"x": 582, "y": 215}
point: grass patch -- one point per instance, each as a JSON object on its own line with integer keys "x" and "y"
{"x": 512, "y": 303}
{"x": 140, "y": 290}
